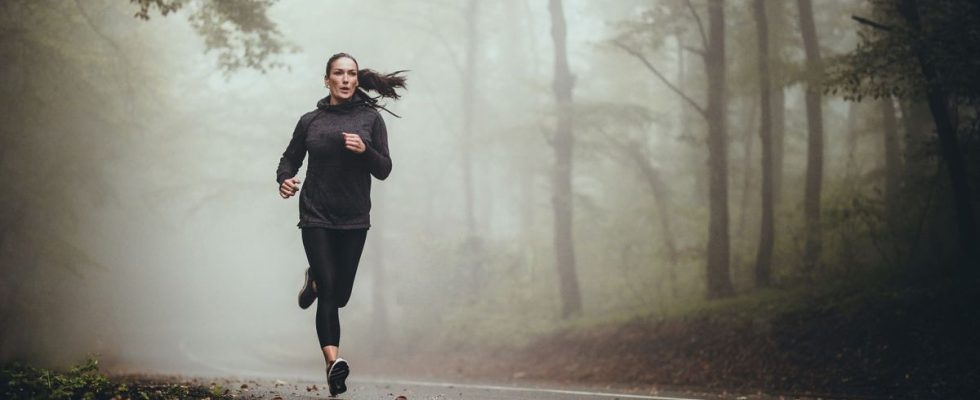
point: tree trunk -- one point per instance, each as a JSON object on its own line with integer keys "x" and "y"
{"x": 948, "y": 141}
{"x": 469, "y": 91}
{"x": 748, "y": 144}
{"x": 851, "y": 167}
{"x": 775, "y": 21}
{"x": 472, "y": 246}
{"x": 917, "y": 122}
{"x": 660, "y": 196}
{"x": 893, "y": 168}
{"x": 571, "y": 301}
{"x": 718, "y": 279}
{"x": 814, "y": 119}
{"x": 767, "y": 234}
{"x": 694, "y": 152}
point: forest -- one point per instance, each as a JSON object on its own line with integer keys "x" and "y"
{"x": 747, "y": 197}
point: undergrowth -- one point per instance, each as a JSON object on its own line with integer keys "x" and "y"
{"x": 84, "y": 381}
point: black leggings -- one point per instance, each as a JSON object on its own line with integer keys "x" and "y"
{"x": 333, "y": 255}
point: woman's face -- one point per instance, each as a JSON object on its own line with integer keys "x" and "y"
{"x": 342, "y": 79}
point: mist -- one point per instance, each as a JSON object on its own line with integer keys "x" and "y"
{"x": 142, "y": 224}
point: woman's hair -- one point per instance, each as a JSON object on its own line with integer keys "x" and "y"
{"x": 369, "y": 79}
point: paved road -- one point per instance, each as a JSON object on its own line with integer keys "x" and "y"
{"x": 376, "y": 388}
{"x": 306, "y": 383}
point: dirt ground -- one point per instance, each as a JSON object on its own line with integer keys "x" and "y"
{"x": 909, "y": 343}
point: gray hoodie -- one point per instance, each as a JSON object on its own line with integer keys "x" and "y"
{"x": 337, "y": 191}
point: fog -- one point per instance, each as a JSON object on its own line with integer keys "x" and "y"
{"x": 142, "y": 221}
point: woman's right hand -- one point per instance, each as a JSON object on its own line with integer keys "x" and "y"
{"x": 289, "y": 188}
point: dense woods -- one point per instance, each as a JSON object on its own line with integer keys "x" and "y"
{"x": 560, "y": 164}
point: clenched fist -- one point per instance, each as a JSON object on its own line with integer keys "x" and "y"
{"x": 289, "y": 188}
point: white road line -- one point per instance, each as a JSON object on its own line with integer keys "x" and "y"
{"x": 520, "y": 389}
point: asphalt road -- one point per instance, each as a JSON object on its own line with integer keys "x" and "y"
{"x": 377, "y": 388}
{"x": 292, "y": 382}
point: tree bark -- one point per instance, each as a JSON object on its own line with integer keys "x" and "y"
{"x": 893, "y": 161}
{"x": 571, "y": 301}
{"x": 661, "y": 196}
{"x": 917, "y": 122}
{"x": 767, "y": 234}
{"x": 814, "y": 119}
{"x": 748, "y": 145}
{"x": 948, "y": 142}
{"x": 776, "y": 25}
{"x": 469, "y": 91}
{"x": 718, "y": 279}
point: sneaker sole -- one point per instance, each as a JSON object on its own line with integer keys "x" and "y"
{"x": 303, "y": 290}
{"x": 338, "y": 377}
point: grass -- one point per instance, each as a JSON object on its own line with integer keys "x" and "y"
{"x": 824, "y": 293}
{"x": 84, "y": 381}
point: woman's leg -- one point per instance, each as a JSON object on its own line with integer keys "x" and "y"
{"x": 321, "y": 252}
{"x": 333, "y": 256}
{"x": 350, "y": 245}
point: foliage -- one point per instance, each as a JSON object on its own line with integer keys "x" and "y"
{"x": 84, "y": 381}
{"x": 883, "y": 64}
{"x": 80, "y": 381}
{"x": 899, "y": 37}
{"x": 239, "y": 30}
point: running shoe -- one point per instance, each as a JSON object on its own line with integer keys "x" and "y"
{"x": 337, "y": 376}
{"x": 308, "y": 293}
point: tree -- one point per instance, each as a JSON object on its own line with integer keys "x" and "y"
{"x": 571, "y": 300}
{"x": 814, "y": 150}
{"x": 893, "y": 168}
{"x": 718, "y": 281}
{"x": 239, "y": 31}
{"x": 469, "y": 90}
{"x": 938, "y": 98}
{"x": 775, "y": 20}
{"x": 925, "y": 52}
{"x": 763, "y": 260}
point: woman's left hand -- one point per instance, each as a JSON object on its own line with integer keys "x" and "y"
{"x": 354, "y": 143}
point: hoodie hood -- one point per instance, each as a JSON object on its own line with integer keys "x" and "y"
{"x": 357, "y": 100}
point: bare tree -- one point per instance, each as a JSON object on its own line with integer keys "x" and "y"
{"x": 893, "y": 161}
{"x": 776, "y": 24}
{"x": 767, "y": 234}
{"x": 718, "y": 280}
{"x": 814, "y": 119}
{"x": 469, "y": 91}
{"x": 571, "y": 300}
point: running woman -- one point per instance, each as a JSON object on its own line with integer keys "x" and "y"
{"x": 347, "y": 141}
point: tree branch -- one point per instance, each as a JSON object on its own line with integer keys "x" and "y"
{"x": 697, "y": 18}
{"x": 871, "y": 23}
{"x": 127, "y": 65}
{"x": 663, "y": 79}
{"x": 696, "y": 50}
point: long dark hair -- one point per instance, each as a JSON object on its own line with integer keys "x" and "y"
{"x": 369, "y": 79}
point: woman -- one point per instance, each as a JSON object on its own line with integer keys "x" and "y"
{"x": 348, "y": 143}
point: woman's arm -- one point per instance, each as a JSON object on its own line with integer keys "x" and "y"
{"x": 295, "y": 152}
{"x": 376, "y": 152}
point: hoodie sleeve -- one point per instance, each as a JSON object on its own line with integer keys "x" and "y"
{"x": 376, "y": 153}
{"x": 293, "y": 157}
